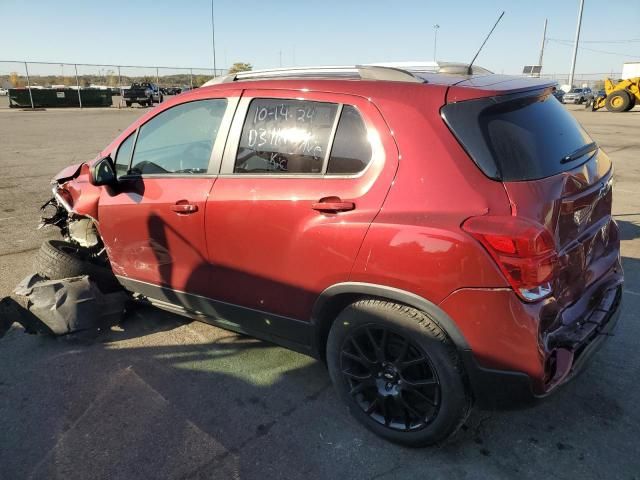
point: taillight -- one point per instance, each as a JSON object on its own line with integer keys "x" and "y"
{"x": 524, "y": 251}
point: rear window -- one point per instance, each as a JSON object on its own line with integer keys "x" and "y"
{"x": 517, "y": 137}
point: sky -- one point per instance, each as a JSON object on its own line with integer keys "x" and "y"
{"x": 346, "y": 32}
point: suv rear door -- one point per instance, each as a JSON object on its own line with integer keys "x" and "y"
{"x": 303, "y": 176}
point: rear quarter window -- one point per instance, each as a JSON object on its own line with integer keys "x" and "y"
{"x": 351, "y": 151}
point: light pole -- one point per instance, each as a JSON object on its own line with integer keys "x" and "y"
{"x": 575, "y": 45}
{"x": 435, "y": 40}
{"x": 544, "y": 39}
{"x": 213, "y": 40}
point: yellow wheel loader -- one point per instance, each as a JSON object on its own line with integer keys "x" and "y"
{"x": 620, "y": 97}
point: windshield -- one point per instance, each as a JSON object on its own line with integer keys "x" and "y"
{"x": 517, "y": 137}
{"x": 576, "y": 90}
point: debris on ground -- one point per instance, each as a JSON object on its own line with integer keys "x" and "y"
{"x": 59, "y": 307}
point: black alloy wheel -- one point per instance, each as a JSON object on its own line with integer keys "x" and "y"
{"x": 398, "y": 372}
{"x": 391, "y": 378}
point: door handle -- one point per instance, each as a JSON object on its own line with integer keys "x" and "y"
{"x": 184, "y": 208}
{"x": 332, "y": 205}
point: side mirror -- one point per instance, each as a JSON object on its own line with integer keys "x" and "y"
{"x": 103, "y": 172}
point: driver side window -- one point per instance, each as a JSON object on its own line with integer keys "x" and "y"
{"x": 179, "y": 140}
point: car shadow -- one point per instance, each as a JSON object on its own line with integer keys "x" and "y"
{"x": 629, "y": 230}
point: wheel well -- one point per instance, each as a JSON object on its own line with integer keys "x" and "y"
{"x": 336, "y": 298}
{"x": 326, "y": 315}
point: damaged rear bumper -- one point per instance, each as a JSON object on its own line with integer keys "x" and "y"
{"x": 578, "y": 342}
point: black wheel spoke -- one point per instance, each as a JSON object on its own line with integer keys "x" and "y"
{"x": 420, "y": 383}
{"x": 412, "y": 362}
{"x": 408, "y": 408}
{"x": 386, "y": 412}
{"x": 357, "y": 376}
{"x": 390, "y": 378}
{"x": 376, "y": 348}
{"x": 361, "y": 353}
{"x": 403, "y": 351}
{"x": 383, "y": 344}
{"x": 418, "y": 393}
{"x": 372, "y": 406}
{"x": 357, "y": 358}
{"x": 359, "y": 388}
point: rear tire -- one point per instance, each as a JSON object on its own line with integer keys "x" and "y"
{"x": 398, "y": 372}
{"x": 618, "y": 101}
{"x": 58, "y": 259}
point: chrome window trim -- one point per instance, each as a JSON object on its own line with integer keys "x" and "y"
{"x": 221, "y": 139}
{"x": 233, "y": 140}
{"x": 332, "y": 136}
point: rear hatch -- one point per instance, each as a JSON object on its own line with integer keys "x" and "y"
{"x": 554, "y": 174}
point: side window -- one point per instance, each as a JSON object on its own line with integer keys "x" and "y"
{"x": 282, "y": 136}
{"x": 123, "y": 155}
{"x": 180, "y": 139}
{"x": 351, "y": 151}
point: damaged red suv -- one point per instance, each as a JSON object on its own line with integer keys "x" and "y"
{"x": 438, "y": 239}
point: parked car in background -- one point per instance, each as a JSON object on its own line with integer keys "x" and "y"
{"x": 578, "y": 95}
{"x": 171, "y": 90}
{"x": 435, "y": 239}
{"x": 144, "y": 94}
{"x": 558, "y": 93}
{"x": 4, "y": 91}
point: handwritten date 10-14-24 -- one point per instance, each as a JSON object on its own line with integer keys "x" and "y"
{"x": 281, "y": 112}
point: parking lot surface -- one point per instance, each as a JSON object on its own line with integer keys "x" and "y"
{"x": 161, "y": 397}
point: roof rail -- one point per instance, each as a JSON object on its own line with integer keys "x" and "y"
{"x": 389, "y": 71}
{"x": 364, "y": 72}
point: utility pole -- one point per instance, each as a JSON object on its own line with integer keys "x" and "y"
{"x": 213, "y": 40}
{"x": 575, "y": 45}
{"x": 544, "y": 39}
{"x": 435, "y": 40}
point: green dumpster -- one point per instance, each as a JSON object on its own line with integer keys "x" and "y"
{"x": 59, "y": 97}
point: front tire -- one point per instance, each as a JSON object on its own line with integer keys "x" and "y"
{"x": 58, "y": 259}
{"x": 398, "y": 372}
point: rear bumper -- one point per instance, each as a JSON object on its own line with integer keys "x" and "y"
{"x": 495, "y": 388}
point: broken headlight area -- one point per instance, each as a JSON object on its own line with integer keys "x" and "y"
{"x": 53, "y": 214}
{"x": 73, "y": 228}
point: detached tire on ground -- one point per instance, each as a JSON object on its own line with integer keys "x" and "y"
{"x": 58, "y": 259}
{"x": 618, "y": 101}
{"x": 398, "y": 372}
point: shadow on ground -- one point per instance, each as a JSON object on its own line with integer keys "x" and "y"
{"x": 160, "y": 398}
{"x": 628, "y": 229}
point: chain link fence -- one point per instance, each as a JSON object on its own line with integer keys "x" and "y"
{"x": 85, "y": 79}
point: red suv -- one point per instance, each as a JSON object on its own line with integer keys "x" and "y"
{"x": 438, "y": 239}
